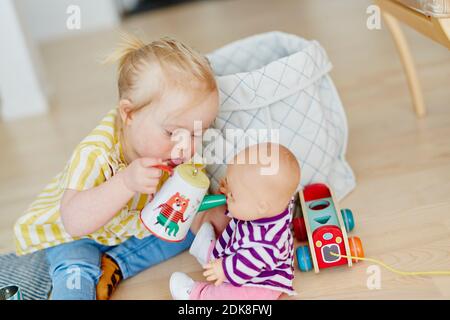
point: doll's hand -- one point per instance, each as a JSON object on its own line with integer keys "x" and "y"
{"x": 214, "y": 272}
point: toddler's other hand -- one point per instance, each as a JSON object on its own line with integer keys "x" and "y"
{"x": 214, "y": 272}
{"x": 141, "y": 176}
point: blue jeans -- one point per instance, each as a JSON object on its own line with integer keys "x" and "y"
{"x": 75, "y": 266}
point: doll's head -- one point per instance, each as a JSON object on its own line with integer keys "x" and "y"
{"x": 261, "y": 181}
{"x": 164, "y": 88}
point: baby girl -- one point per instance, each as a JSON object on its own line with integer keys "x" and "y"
{"x": 253, "y": 258}
{"x": 87, "y": 218}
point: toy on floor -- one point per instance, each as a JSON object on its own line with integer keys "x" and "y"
{"x": 170, "y": 214}
{"x": 325, "y": 230}
{"x": 10, "y": 293}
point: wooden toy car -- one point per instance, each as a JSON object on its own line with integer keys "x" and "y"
{"x": 325, "y": 230}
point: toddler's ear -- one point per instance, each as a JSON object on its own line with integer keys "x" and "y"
{"x": 125, "y": 109}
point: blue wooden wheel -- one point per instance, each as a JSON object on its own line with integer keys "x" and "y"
{"x": 304, "y": 260}
{"x": 349, "y": 222}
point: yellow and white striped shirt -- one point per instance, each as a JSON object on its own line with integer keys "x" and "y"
{"x": 95, "y": 160}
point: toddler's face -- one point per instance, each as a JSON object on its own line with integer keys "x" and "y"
{"x": 166, "y": 130}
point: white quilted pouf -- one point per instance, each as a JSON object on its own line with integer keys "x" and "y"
{"x": 280, "y": 81}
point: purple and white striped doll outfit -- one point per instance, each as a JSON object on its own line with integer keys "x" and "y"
{"x": 259, "y": 253}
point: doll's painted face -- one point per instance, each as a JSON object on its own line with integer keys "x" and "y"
{"x": 252, "y": 195}
{"x": 242, "y": 201}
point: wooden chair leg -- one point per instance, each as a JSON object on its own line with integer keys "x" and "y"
{"x": 408, "y": 63}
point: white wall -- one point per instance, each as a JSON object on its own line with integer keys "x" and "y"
{"x": 25, "y": 23}
{"x": 22, "y": 87}
{"x": 46, "y": 19}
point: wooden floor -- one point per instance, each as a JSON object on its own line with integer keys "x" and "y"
{"x": 402, "y": 164}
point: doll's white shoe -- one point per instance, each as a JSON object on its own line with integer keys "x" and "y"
{"x": 181, "y": 286}
{"x": 202, "y": 242}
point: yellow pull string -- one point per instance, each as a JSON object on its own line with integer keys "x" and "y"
{"x": 400, "y": 272}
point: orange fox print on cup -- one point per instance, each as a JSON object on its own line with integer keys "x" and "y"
{"x": 170, "y": 214}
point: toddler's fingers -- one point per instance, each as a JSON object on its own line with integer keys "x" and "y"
{"x": 151, "y": 189}
{"x": 153, "y": 173}
{"x": 151, "y": 162}
{"x": 218, "y": 282}
{"x": 151, "y": 182}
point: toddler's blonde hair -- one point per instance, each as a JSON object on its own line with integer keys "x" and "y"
{"x": 169, "y": 63}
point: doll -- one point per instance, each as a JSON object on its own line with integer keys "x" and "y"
{"x": 254, "y": 256}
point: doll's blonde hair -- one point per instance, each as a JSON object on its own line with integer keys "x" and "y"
{"x": 169, "y": 63}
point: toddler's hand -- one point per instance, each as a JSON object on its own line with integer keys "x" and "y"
{"x": 141, "y": 176}
{"x": 214, "y": 272}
